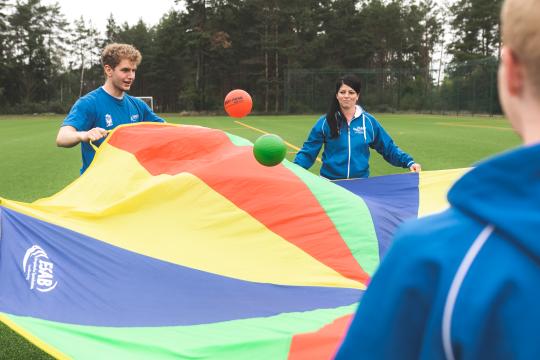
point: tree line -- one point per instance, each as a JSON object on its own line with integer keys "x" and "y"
{"x": 201, "y": 49}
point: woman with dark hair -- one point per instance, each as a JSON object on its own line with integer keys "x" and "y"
{"x": 347, "y": 132}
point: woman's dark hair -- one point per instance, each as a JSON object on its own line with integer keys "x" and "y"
{"x": 333, "y": 113}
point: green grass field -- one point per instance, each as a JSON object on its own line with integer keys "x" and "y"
{"x": 32, "y": 167}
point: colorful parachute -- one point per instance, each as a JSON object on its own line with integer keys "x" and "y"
{"x": 176, "y": 243}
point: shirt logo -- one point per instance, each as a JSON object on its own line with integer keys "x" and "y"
{"x": 108, "y": 120}
{"x": 358, "y": 130}
{"x": 134, "y": 118}
{"x": 38, "y": 269}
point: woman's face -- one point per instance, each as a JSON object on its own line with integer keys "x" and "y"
{"x": 347, "y": 97}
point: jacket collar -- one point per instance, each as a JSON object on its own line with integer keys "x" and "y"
{"x": 357, "y": 113}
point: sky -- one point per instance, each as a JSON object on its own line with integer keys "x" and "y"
{"x": 130, "y": 11}
{"x": 98, "y": 11}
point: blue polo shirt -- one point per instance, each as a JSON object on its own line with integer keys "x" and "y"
{"x": 100, "y": 109}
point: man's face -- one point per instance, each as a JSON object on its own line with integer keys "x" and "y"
{"x": 123, "y": 75}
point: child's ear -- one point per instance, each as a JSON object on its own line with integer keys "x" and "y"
{"x": 513, "y": 71}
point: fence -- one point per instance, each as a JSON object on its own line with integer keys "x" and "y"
{"x": 469, "y": 88}
{"x": 466, "y": 88}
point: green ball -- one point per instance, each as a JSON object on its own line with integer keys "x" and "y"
{"x": 269, "y": 150}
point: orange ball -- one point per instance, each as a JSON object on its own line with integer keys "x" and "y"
{"x": 238, "y": 103}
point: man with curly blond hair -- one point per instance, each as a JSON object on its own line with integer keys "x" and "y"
{"x": 103, "y": 109}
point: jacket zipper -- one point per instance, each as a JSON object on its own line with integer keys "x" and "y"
{"x": 349, "y": 148}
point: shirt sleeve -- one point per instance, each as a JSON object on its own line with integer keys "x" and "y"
{"x": 149, "y": 115}
{"x": 81, "y": 116}
{"x": 384, "y": 145}
{"x": 312, "y": 146}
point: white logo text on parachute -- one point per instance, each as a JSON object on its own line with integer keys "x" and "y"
{"x": 38, "y": 269}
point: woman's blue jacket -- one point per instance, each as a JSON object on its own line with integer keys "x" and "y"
{"x": 347, "y": 155}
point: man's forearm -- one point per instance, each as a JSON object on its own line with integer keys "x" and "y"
{"x": 68, "y": 136}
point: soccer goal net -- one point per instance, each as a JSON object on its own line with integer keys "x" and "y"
{"x": 149, "y": 100}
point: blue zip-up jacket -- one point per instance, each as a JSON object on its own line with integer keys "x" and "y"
{"x": 347, "y": 155}
{"x": 464, "y": 284}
